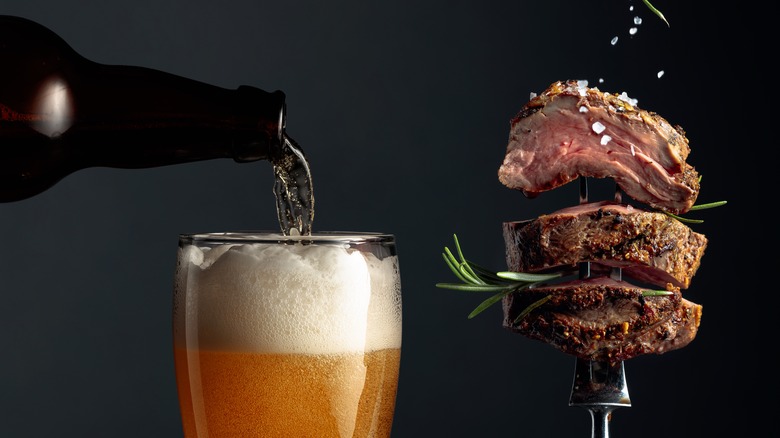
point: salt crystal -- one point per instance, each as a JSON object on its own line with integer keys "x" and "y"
{"x": 584, "y": 109}
{"x": 624, "y": 97}
{"x": 660, "y": 73}
{"x": 632, "y": 31}
{"x": 605, "y": 139}
{"x": 598, "y": 128}
{"x": 631, "y": 8}
{"x": 633, "y": 152}
{"x": 637, "y": 20}
{"x": 601, "y": 80}
{"x": 614, "y": 41}
{"x": 532, "y": 95}
{"x": 582, "y": 87}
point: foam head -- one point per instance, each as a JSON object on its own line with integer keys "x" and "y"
{"x": 287, "y": 298}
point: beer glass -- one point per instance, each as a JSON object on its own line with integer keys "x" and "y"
{"x": 287, "y": 336}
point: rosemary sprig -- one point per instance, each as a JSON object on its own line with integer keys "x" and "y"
{"x": 476, "y": 278}
{"x": 656, "y": 12}
{"x": 694, "y": 208}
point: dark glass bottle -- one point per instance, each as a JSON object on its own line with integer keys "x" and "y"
{"x": 60, "y": 113}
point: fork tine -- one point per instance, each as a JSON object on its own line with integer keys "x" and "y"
{"x": 599, "y": 384}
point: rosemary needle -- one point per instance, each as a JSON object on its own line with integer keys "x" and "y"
{"x": 656, "y": 12}
{"x": 694, "y": 208}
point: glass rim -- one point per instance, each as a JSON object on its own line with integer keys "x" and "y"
{"x": 275, "y": 237}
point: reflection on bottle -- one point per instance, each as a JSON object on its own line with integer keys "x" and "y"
{"x": 54, "y": 108}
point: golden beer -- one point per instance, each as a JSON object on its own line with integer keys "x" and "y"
{"x": 286, "y": 340}
{"x": 288, "y": 395}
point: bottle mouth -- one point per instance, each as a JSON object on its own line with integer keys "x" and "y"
{"x": 265, "y": 136}
{"x": 281, "y": 122}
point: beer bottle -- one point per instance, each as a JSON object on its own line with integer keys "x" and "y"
{"x": 60, "y": 112}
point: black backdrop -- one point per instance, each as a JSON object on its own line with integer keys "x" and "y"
{"x": 403, "y": 109}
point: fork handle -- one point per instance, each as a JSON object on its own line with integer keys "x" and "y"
{"x": 600, "y": 416}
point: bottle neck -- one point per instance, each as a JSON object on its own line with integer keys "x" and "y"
{"x": 138, "y": 117}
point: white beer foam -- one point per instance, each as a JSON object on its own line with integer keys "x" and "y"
{"x": 315, "y": 299}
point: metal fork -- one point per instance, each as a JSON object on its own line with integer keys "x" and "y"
{"x": 599, "y": 387}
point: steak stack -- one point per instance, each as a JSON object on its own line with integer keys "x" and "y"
{"x": 571, "y": 131}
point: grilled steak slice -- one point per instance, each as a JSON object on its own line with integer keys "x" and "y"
{"x": 571, "y": 130}
{"x": 603, "y": 319}
{"x": 650, "y": 247}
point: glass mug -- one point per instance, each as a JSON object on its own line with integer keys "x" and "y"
{"x": 288, "y": 336}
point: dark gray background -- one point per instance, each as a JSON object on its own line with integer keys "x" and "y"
{"x": 403, "y": 109}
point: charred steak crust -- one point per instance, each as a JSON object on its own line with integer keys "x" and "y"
{"x": 604, "y": 320}
{"x": 650, "y": 247}
{"x": 553, "y": 141}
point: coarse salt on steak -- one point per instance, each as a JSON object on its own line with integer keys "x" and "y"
{"x": 572, "y": 131}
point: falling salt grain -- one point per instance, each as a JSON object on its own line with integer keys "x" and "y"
{"x": 632, "y": 31}
{"x": 660, "y": 73}
{"x": 532, "y": 95}
{"x": 614, "y": 41}
{"x": 631, "y": 8}
{"x": 601, "y": 80}
{"x": 605, "y": 139}
{"x": 598, "y": 128}
{"x": 637, "y": 20}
